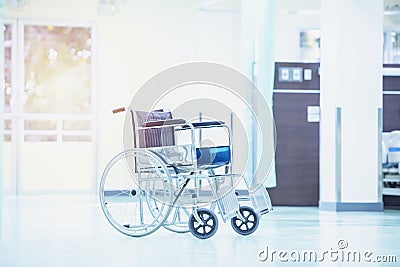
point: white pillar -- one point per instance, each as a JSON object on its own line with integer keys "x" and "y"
{"x": 247, "y": 17}
{"x": 265, "y": 64}
{"x": 257, "y": 49}
{"x": 247, "y": 22}
{"x": 351, "y": 100}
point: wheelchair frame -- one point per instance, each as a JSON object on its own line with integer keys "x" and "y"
{"x": 158, "y": 187}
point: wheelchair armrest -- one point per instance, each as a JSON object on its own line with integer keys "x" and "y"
{"x": 164, "y": 122}
{"x": 205, "y": 124}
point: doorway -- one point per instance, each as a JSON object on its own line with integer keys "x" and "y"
{"x": 49, "y": 137}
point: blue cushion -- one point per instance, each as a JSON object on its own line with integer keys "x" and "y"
{"x": 219, "y": 155}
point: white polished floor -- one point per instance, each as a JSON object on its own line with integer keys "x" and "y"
{"x": 72, "y": 231}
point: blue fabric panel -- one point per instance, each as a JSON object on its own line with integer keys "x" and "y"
{"x": 213, "y": 155}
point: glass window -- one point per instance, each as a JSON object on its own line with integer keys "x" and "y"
{"x": 57, "y": 79}
{"x": 57, "y": 69}
{"x": 74, "y": 125}
{"x": 391, "y": 47}
{"x": 310, "y": 45}
{"x": 7, "y": 28}
{"x": 7, "y": 130}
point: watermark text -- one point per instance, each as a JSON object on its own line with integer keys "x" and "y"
{"x": 339, "y": 254}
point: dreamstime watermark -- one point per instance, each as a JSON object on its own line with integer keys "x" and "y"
{"x": 339, "y": 254}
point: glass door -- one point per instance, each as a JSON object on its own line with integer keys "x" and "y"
{"x": 50, "y": 126}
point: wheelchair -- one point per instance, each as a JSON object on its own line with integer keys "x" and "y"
{"x": 163, "y": 181}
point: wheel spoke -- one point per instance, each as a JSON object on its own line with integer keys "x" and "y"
{"x": 198, "y": 227}
{"x": 212, "y": 222}
{"x": 241, "y": 223}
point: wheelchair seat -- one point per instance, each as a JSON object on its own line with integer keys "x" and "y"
{"x": 213, "y": 157}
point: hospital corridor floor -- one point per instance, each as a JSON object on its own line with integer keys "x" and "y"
{"x": 72, "y": 231}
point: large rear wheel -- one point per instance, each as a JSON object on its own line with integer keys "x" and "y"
{"x": 136, "y": 192}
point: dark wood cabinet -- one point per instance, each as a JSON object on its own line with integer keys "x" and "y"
{"x": 391, "y": 112}
{"x": 297, "y": 151}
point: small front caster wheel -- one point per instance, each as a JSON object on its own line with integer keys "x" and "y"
{"x": 249, "y": 224}
{"x": 208, "y": 225}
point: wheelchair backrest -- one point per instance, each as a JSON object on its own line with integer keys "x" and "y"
{"x": 156, "y": 137}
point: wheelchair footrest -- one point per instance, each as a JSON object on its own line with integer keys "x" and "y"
{"x": 260, "y": 200}
{"x": 228, "y": 205}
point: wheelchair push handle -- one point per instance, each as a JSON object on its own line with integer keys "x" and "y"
{"x": 118, "y": 110}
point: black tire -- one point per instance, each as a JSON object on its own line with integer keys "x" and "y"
{"x": 210, "y": 226}
{"x": 250, "y": 224}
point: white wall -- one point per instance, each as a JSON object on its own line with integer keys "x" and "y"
{"x": 292, "y": 17}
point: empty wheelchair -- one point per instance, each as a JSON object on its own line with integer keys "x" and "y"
{"x": 168, "y": 179}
